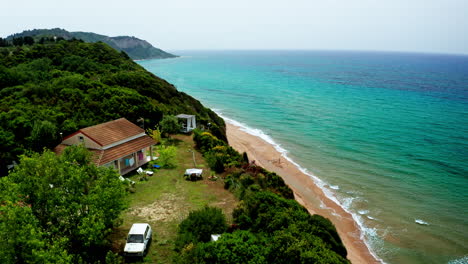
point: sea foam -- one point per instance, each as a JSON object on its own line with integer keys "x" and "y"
{"x": 421, "y": 222}
{"x": 367, "y": 234}
{"x": 463, "y": 260}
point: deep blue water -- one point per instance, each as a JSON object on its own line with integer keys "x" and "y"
{"x": 386, "y": 132}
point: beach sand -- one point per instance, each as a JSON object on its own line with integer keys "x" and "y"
{"x": 305, "y": 191}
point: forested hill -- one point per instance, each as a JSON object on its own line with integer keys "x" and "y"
{"x": 54, "y": 89}
{"x": 136, "y": 48}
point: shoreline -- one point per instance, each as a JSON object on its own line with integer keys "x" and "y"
{"x": 306, "y": 192}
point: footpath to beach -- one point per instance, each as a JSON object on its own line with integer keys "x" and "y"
{"x": 305, "y": 191}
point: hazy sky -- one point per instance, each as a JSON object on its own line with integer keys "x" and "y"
{"x": 395, "y": 25}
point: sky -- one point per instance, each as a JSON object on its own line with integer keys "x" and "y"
{"x": 435, "y": 26}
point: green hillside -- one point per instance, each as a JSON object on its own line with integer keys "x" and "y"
{"x": 136, "y": 48}
{"x": 49, "y": 90}
{"x": 64, "y": 209}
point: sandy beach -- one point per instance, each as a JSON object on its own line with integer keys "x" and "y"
{"x": 305, "y": 191}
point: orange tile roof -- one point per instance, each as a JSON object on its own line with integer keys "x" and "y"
{"x": 111, "y": 132}
{"x": 125, "y": 149}
{"x": 101, "y": 157}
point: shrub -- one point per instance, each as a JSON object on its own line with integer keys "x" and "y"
{"x": 167, "y": 157}
{"x": 267, "y": 212}
{"x": 170, "y": 125}
{"x": 155, "y": 134}
{"x": 215, "y": 161}
{"x": 205, "y": 141}
{"x": 199, "y": 226}
{"x": 238, "y": 247}
{"x": 246, "y": 180}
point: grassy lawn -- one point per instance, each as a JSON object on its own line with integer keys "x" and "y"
{"x": 167, "y": 198}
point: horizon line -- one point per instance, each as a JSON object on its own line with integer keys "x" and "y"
{"x": 320, "y": 49}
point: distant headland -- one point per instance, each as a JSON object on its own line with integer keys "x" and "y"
{"x": 136, "y": 48}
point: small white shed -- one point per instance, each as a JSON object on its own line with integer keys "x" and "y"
{"x": 188, "y": 122}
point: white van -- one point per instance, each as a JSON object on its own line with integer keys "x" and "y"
{"x": 138, "y": 240}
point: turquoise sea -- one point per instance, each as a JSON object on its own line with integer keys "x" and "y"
{"x": 386, "y": 133}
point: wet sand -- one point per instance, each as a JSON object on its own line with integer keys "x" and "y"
{"x": 305, "y": 191}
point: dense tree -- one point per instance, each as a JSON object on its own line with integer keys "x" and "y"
{"x": 4, "y": 42}
{"x": 28, "y": 40}
{"x": 60, "y": 87}
{"x": 59, "y": 203}
{"x": 43, "y": 134}
{"x": 18, "y": 41}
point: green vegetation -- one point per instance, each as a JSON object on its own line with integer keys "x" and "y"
{"x": 58, "y": 209}
{"x": 269, "y": 226}
{"x": 166, "y": 199}
{"x": 169, "y": 125}
{"x": 62, "y": 209}
{"x": 199, "y": 226}
{"x": 167, "y": 157}
{"x": 242, "y": 177}
{"x": 155, "y": 134}
{"x": 51, "y": 90}
{"x": 136, "y": 48}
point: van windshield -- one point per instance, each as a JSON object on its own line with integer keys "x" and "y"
{"x": 135, "y": 239}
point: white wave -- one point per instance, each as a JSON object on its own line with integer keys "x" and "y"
{"x": 366, "y": 233}
{"x": 370, "y": 217}
{"x": 421, "y": 222}
{"x": 255, "y": 132}
{"x": 363, "y": 212}
{"x": 463, "y": 260}
{"x": 335, "y": 187}
{"x": 347, "y": 202}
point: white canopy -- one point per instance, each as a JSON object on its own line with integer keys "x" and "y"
{"x": 198, "y": 172}
{"x": 190, "y": 122}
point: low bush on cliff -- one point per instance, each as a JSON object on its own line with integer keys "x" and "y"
{"x": 267, "y": 229}
{"x": 269, "y": 226}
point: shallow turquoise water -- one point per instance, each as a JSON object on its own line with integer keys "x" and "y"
{"x": 386, "y": 132}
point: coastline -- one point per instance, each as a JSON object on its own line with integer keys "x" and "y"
{"x": 306, "y": 192}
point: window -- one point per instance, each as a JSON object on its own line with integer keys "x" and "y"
{"x": 135, "y": 239}
{"x": 81, "y": 138}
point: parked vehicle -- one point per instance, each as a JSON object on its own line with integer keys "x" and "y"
{"x": 138, "y": 240}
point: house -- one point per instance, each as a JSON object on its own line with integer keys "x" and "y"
{"x": 118, "y": 144}
{"x": 188, "y": 122}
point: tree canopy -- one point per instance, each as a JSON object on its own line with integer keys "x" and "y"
{"x": 60, "y": 87}
{"x": 58, "y": 208}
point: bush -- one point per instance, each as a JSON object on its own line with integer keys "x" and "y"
{"x": 170, "y": 125}
{"x": 199, "y": 226}
{"x": 215, "y": 161}
{"x": 266, "y": 212}
{"x": 205, "y": 141}
{"x": 238, "y": 247}
{"x": 167, "y": 157}
{"x": 155, "y": 134}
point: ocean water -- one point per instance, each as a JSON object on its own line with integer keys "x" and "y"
{"x": 386, "y": 133}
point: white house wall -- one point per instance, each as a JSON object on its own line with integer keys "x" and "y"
{"x": 75, "y": 140}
